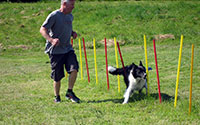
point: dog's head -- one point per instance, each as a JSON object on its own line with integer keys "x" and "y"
{"x": 139, "y": 72}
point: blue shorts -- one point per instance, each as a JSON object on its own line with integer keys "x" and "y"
{"x": 59, "y": 61}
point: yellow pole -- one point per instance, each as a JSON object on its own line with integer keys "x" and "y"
{"x": 192, "y": 57}
{"x": 178, "y": 71}
{"x": 117, "y": 65}
{"x": 147, "y": 71}
{"x": 95, "y": 61}
{"x": 80, "y": 59}
{"x": 66, "y": 75}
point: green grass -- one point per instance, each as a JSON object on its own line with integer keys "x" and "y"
{"x": 27, "y": 90}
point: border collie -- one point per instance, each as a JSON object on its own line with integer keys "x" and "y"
{"x": 134, "y": 78}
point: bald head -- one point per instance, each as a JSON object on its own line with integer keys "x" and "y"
{"x": 67, "y": 6}
{"x": 67, "y": 1}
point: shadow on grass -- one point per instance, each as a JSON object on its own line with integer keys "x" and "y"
{"x": 107, "y": 100}
{"x": 164, "y": 97}
{"x": 137, "y": 97}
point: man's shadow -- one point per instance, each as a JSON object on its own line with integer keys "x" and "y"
{"x": 136, "y": 97}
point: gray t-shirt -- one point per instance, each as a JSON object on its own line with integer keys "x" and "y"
{"x": 59, "y": 26}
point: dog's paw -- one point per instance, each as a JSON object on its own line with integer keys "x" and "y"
{"x": 124, "y": 103}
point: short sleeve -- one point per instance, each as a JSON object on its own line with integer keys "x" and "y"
{"x": 49, "y": 22}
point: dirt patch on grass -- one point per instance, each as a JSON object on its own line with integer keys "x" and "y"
{"x": 110, "y": 42}
{"x": 164, "y": 36}
{"x": 22, "y": 12}
{"x": 1, "y": 21}
{"x": 1, "y": 46}
{"x": 24, "y": 47}
{"x": 25, "y": 17}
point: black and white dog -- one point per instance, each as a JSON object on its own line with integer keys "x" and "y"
{"x": 134, "y": 77}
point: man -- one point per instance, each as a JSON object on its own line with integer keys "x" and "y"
{"x": 57, "y": 30}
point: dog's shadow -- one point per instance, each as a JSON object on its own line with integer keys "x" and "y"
{"x": 136, "y": 97}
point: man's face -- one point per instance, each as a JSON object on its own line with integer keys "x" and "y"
{"x": 68, "y": 7}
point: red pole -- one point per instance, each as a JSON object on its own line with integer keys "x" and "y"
{"x": 86, "y": 60}
{"x": 154, "y": 45}
{"x": 106, "y": 64}
{"x": 121, "y": 57}
{"x": 72, "y": 42}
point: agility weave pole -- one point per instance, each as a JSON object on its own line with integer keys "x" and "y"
{"x": 95, "y": 61}
{"x": 72, "y": 42}
{"x": 154, "y": 45}
{"x": 121, "y": 58}
{"x": 191, "y": 69}
{"x": 117, "y": 65}
{"x": 86, "y": 60}
{"x": 81, "y": 59}
{"x": 147, "y": 71}
{"x": 66, "y": 75}
{"x": 72, "y": 46}
{"x": 178, "y": 71}
{"x": 106, "y": 63}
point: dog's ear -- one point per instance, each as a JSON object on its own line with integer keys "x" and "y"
{"x": 133, "y": 65}
{"x": 141, "y": 63}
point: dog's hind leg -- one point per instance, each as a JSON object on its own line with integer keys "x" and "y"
{"x": 140, "y": 91}
{"x": 145, "y": 86}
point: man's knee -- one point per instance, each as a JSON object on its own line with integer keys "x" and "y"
{"x": 74, "y": 71}
{"x": 56, "y": 82}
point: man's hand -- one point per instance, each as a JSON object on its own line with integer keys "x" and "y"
{"x": 55, "y": 41}
{"x": 74, "y": 35}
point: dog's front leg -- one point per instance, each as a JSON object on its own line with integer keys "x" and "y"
{"x": 127, "y": 95}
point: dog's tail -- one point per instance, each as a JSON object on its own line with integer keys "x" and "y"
{"x": 115, "y": 71}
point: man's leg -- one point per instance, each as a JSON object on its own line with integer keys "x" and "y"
{"x": 72, "y": 67}
{"x": 56, "y": 88}
{"x": 57, "y": 73}
{"x": 70, "y": 94}
{"x": 72, "y": 79}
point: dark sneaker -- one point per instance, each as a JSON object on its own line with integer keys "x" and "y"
{"x": 57, "y": 99}
{"x": 71, "y": 96}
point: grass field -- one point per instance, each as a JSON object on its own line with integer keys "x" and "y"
{"x": 26, "y": 88}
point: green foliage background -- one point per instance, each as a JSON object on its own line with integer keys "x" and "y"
{"x": 128, "y": 21}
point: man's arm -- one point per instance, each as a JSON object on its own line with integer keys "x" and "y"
{"x": 45, "y": 34}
